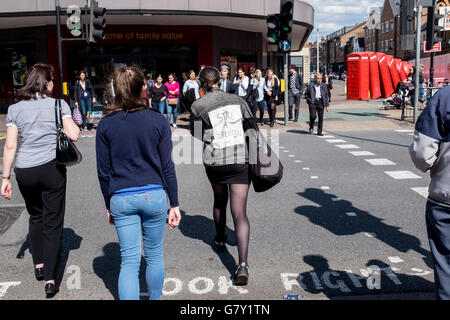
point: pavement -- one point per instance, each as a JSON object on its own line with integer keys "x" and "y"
{"x": 346, "y": 222}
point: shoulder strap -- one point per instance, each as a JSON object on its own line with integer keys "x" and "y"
{"x": 58, "y": 114}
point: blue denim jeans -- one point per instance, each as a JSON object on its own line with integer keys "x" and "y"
{"x": 135, "y": 215}
{"x": 85, "y": 107}
{"x": 170, "y": 109}
{"x": 159, "y": 106}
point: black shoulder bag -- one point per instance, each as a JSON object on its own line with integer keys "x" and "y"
{"x": 66, "y": 152}
{"x": 265, "y": 167}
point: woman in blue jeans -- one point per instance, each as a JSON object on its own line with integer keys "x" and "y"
{"x": 158, "y": 94}
{"x": 138, "y": 181}
{"x": 85, "y": 96}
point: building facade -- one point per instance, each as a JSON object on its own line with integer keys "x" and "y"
{"x": 159, "y": 36}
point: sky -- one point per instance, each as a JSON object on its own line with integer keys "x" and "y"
{"x": 331, "y": 15}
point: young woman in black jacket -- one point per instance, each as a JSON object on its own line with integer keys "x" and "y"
{"x": 84, "y": 96}
{"x": 272, "y": 91}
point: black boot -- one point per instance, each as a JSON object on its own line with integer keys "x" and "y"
{"x": 241, "y": 275}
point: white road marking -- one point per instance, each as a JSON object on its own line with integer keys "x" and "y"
{"x": 314, "y": 177}
{"x": 285, "y": 150}
{"x": 403, "y": 130}
{"x": 395, "y": 259}
{"x": 419, "y": 272}
{"x": 400, "y": 175}
{"x": 411, "y": 134}
{"x": 281, "y": 147}
{"x": 291, "y": 155}
{"x": 335, "y": 141}
{"x": 351, "y": 214}
{"x": 423, "y": 191}
{"x": 325, "y": 188}
{"x": 370, "y": 234}
{"x": 361, "y": 153}
{"x": 347, "y": 146}
{"x": 207, "y": 286}
{"x": 305, "y": 168}
{"x": 380, "y": 162}
{"x": 4, "y": 286}
{"x": 335, "y": 199}
{"x": 298, "y": 161}
{"x": 325, "y": 137}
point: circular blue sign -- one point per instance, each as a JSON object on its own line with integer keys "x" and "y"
{"x": 285, "y": 45}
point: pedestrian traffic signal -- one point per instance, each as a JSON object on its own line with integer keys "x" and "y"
{"x": 433, "y": 28}
{"x": 97, "y": 22}
{"x": 273, "y": 33}
{"x": 407, "y": 24}
{"x": 74, "y": 20}
{"x": 285, "y": 25}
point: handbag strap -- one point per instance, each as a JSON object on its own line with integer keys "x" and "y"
{"x": 58, "y": 114}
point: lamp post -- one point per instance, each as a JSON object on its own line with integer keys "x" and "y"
{"x": 317, "y": 51}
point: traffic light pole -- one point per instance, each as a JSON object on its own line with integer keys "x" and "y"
{"x": 417, "y": 69}
{"x": 432, "y": 69}
{"x": 286, "y": 88}
{"x": 58, "y": 35}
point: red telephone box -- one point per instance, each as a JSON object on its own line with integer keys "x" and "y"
{"x": 400, "y": 69}
{"x": 386, "y": 82}
{"x": 393, "y": 70}
{"x": 405, "y": 69}
{"x": 358, "y": 76}
{"x": 374, "y": 75}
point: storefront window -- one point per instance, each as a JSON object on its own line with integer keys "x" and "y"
{"x": 15, "y": 59}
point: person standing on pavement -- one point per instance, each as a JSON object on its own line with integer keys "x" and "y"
{"x": 149, "y": 80}
{"x": 222, "y": 120}
{"x": 192, "y": 83}
{"x": 158, "y": 94}
{"x": 430, "y": 152}
{"x": 172, "y": 102}
{"x": 258, "y": 84}
{"x": 329, "y": 84}
{"x": 241, "y": 83}
{"x": 272, "y": 91}
{"x": 295, "y": 91}
{"x": 85, "y": 96}
{"x": 135, "y": 170}
{"x": 41, "y": 181}
{"x": 224, "y": 83}
{"x": 317, "y": 99}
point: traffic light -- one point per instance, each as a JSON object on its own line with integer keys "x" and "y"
{"x": 407, "y": 24}
{"x": 74, "y": 20}
{"x": 273, "y": 33}
{"x": 433, "y": 27}
{"x": 285, "y": 25}
{"x": 97, "y": 22}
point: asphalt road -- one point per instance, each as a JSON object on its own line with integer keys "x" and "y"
{"x": 315, "y": 234}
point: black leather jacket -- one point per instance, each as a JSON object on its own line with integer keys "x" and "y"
{"x": 78, "y": 90}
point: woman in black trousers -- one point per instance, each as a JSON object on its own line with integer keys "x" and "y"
{"x": 41, "y": 181}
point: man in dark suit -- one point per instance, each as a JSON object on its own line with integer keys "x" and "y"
{"x": 295, "y": 91}
{"x": 318, "y": 99}
{"x": 225, "y": 84}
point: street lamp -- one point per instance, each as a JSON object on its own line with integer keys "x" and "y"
{"x": 317, "y": 51}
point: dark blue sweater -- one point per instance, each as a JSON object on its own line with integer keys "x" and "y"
{"x": 134, "y": 150}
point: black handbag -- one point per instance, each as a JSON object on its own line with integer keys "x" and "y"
{"x": 66, "y": 152}
{"x": 266, "y": 168}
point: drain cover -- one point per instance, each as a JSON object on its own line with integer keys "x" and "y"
{"x": 8, "y": 216}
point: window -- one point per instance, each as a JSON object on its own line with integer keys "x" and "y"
{"x": 386, "y": 26}
{"x": 386, "y": 44}
{"x": 391, "y": 44}
{"x": 392, "y": 25}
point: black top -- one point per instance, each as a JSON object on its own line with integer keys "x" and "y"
{"x": 78, "y": 90}
{"x": 156, "y": 94}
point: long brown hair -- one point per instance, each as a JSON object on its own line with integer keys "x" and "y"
{"x": 272, "y": 82}
{"x": 36, "y": 80}
{"x": 128, "y": 84}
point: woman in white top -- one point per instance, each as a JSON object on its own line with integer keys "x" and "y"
{"x": 241, "y": 82}
{"x": 258, "y": 83}
{"x": 192, "y": 83}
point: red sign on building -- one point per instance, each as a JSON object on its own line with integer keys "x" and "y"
{"x": 436, "y": 48}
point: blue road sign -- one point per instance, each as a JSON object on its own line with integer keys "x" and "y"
{"x": 285, "y": 45}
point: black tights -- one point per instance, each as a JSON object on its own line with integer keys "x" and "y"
{"x": 238, "y": 201}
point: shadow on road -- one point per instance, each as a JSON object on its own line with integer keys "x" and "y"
{"x": 203, "y": 228}
{"x": 346, "y": 284}
{"x": 107, "y": 268}
{"x": 331, "y": 215}
{"x": 71, "y": 241}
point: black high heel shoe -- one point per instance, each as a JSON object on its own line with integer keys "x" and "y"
{"x": 51, "y": 289}
{"x": 39, "y": 273}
